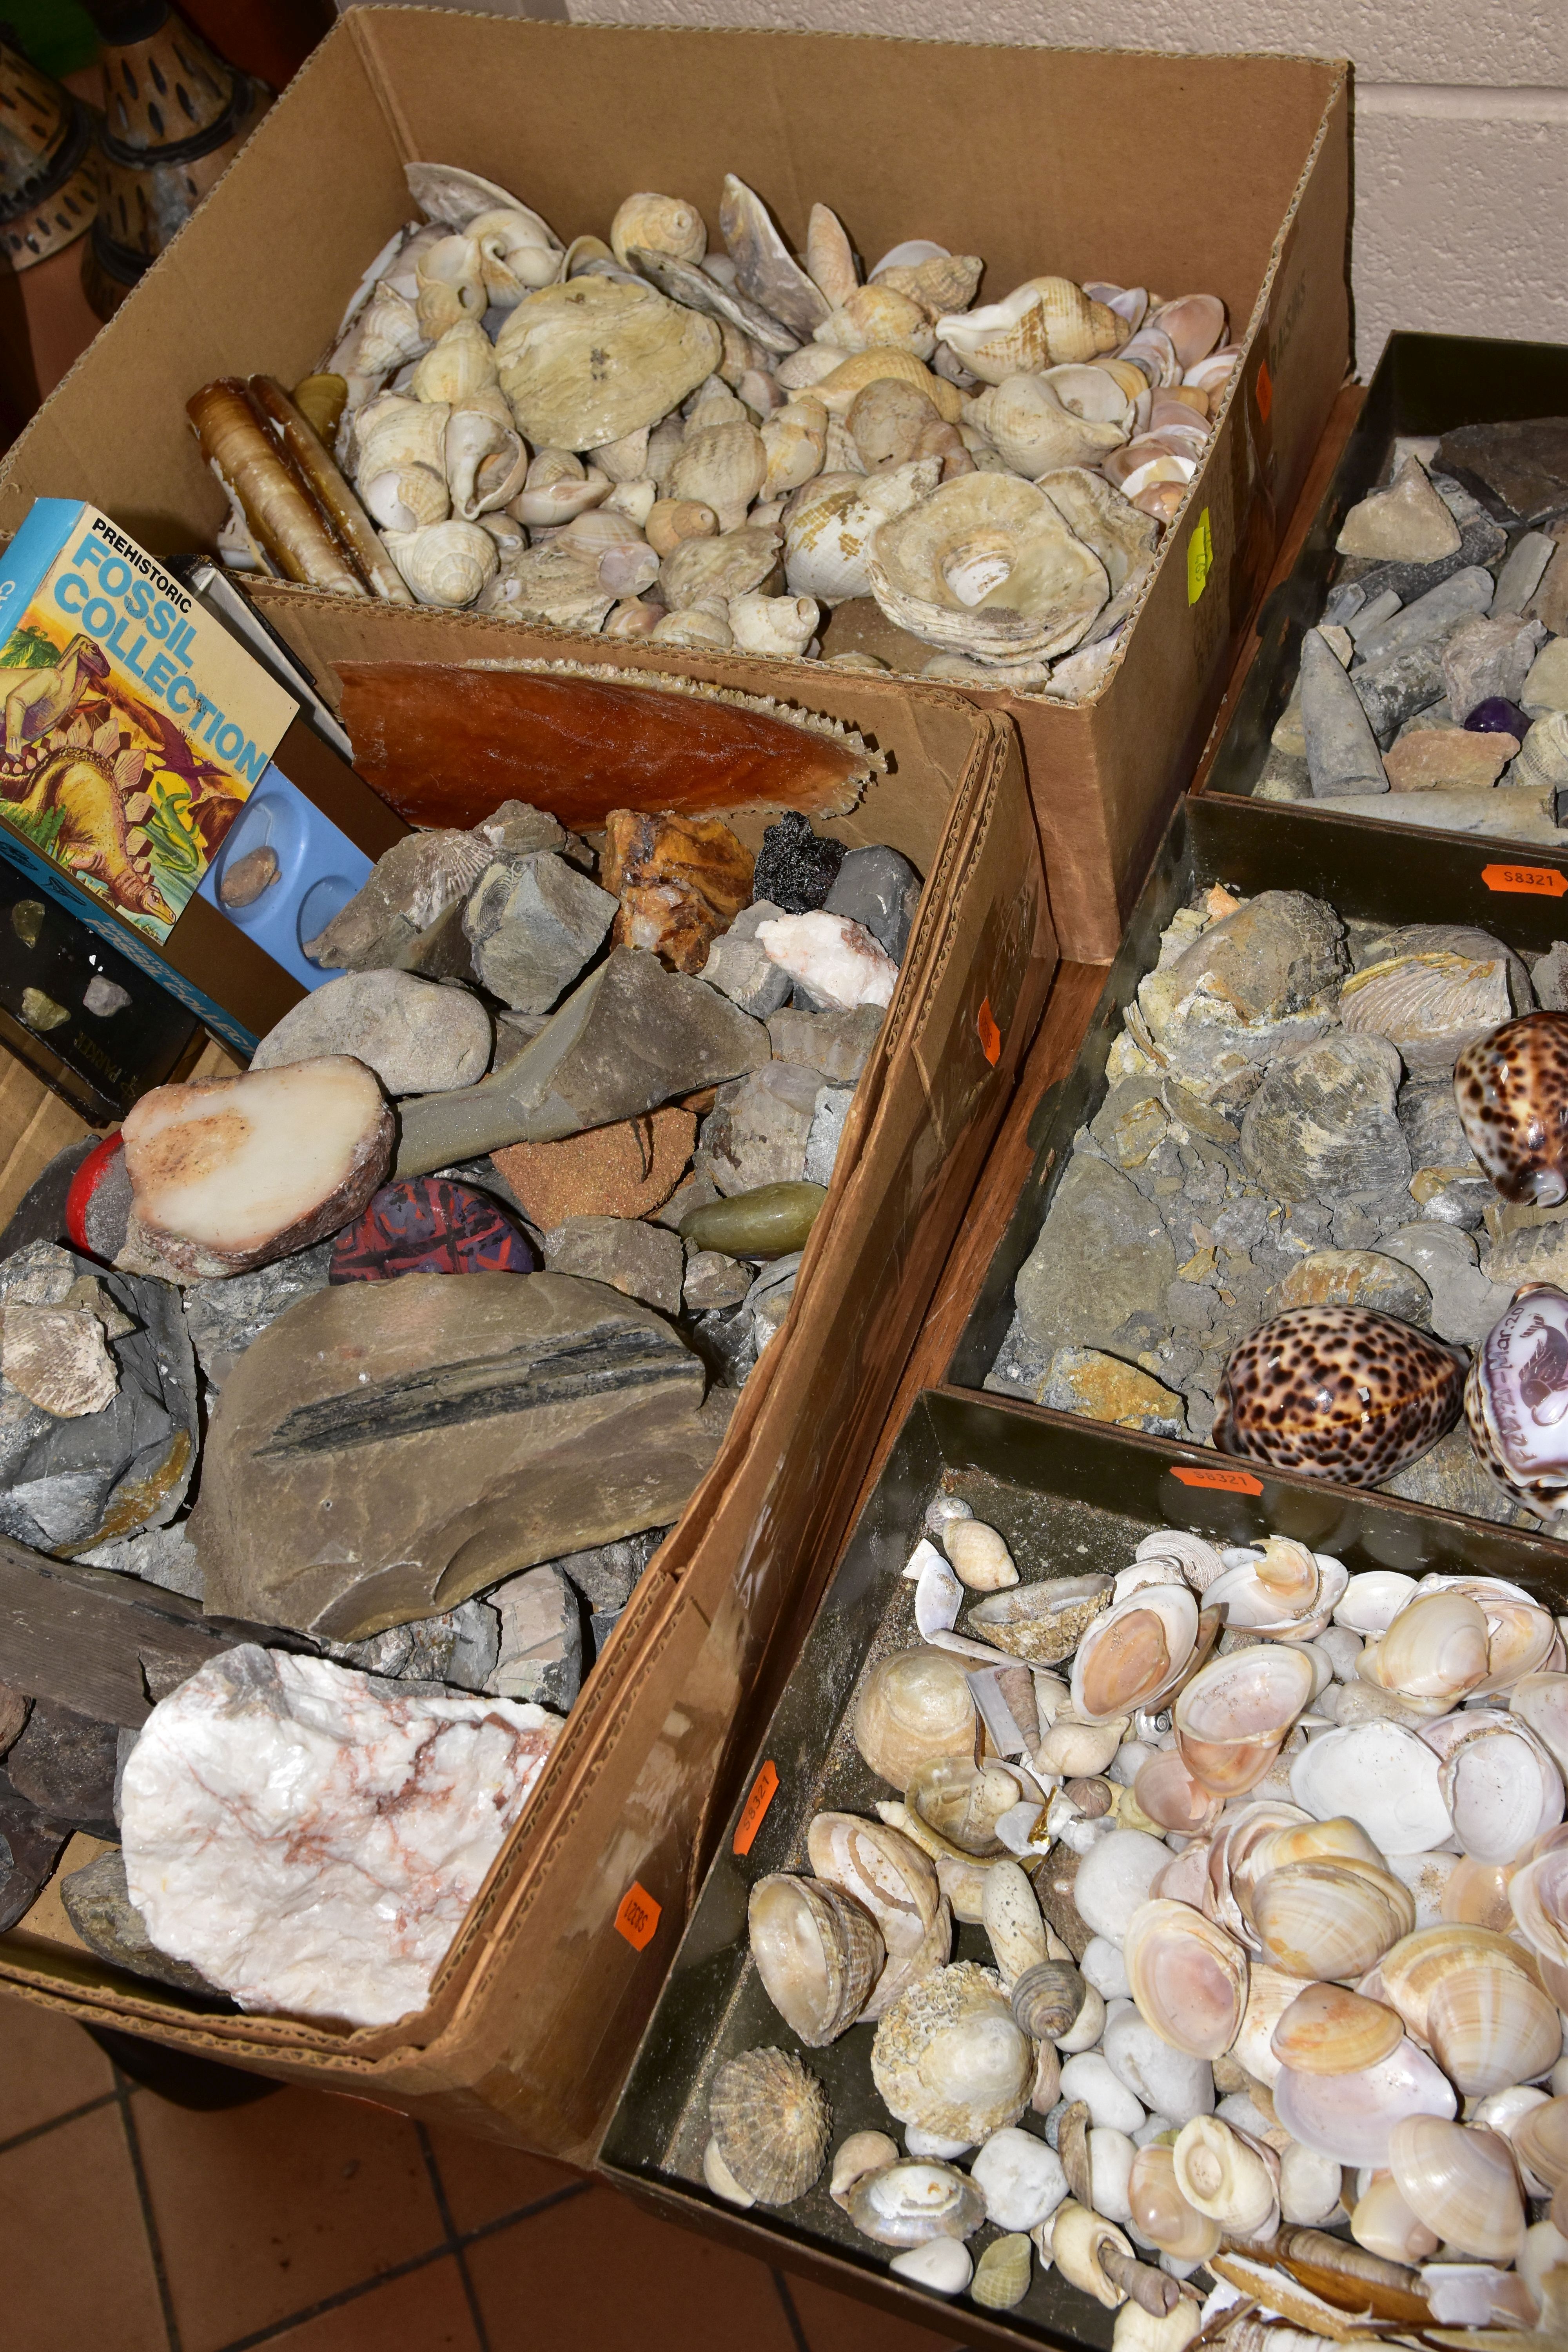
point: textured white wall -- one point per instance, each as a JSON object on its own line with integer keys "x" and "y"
{"x": 1461, "y": 114}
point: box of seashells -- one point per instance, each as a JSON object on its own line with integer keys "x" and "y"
{"x": 1145, "y": 1929}
{"x": 1301, "y": 1198}
{"x": 599, "y": 363}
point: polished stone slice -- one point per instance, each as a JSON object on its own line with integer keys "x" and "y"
{"x": 1407, "y": 522}
{"x": 310, "y": 1838}
{"x": 1342, "y": 755}
{"x": 427, "y": 1224}
{"x": 1486, "y": 659}
{"x": 645, "y": 1260}
{"x": 417, "y": 1036}
{"x": 630, "y": 1037}
{"x": 1323, "y": 1123}
{"x": 1103, "y": 1257}
{"x": 534, "y": 929}
{"x": 406, "y": 1444}
{"x": 625, "y": 1170}
{"x": 1447, "y": 760}
{"x": 1518, "y": 470}
{"x": 1082, "y": 1380}
{"x": 108, "y": 1924}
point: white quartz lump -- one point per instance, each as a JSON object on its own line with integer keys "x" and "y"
{"x": 310, "y": 1838}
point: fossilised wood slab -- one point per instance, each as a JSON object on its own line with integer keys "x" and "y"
{"x": 446, "y": 744}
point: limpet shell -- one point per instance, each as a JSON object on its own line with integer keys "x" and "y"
{"x": 1339, "y": 1392}
{"x": 948, "y": 2056}
{"x": 772, "y": 2121}
{"x": 1512, "y": 1090}
{"x": 910, "y": 2203}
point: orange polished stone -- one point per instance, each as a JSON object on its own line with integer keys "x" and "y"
{"x": 625, "y": 1171}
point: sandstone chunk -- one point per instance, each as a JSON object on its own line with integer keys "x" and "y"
{"x": 625, "y": 1170}
{"x": 540, "y": 1656}
{"x": 645, "y": 1260}
{"x": 406, "y": 1444}
{"x": 1408, "y": 520}
{"x": 1447, "y": 760}
{"x": 418, "y": 1037}
{"x": 1082, "y": 1380}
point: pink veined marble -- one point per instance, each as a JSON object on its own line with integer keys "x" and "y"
{"x": 310, "y": 1837}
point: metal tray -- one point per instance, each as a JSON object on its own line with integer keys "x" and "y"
{"x": 1421, "y": 384}
{"x": 1069, "y": 1495}
{"x": 1416, "y": 877}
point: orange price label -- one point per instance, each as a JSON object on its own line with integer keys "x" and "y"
{"x": 1265, "y": 390}
{"x": 990, "y": 1035}
{"x": 1538, "y": 881}
{"x": 637, "y": 1917}
{"x": 1231, "y": 1482}
{"x": 765, "y": 1787}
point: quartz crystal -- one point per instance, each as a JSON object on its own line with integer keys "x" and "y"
{"x": 310, "y": 1838}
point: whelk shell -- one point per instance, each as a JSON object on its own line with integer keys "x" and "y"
{"x": 772, "y": 2121}
{"x": 1329, "y": 2030}
{"x": 661, "y": 223}
{"x": 914, "y": 1704}
{"x": 943, "y": 282}
{"x": 451, "y": 277}
{"x": 878, "y": 317}
{"x": 1512, "y": 1090}
{"x": 400, "y": 467}
{"x": 1337, "y": 1392}
{"x": 1232, "y": 1717}
{"x": 948, "y": 2056}
{"x": 794, "y": 441}
{"x": 444, "y": 563}
{"x": 1042, "y": 1623}
{"x": 486, "y": 463}
{"x": 1461, "y": 2181}
{"x": 1040, "y": 324}
{"x": 782, "y": 626}
{"x": 1047, "y": 1999}
{"x": 817, "y": 1952}
{"x": 1079, "y": 2239}
{"x": 1325, "y": 1919}
{"x": 721, "y": 466}
{"x": 1188, "y": 1977}
{"x": 1132, "y": 1655}
{"x": 986, "y": 566}
{"x": 911, "y": 2203}
{"x": 1036, "y": 431}
{"x": 834, "y": 520}
{"x": 741, "y": 563}
{"x": 516, "y": 254}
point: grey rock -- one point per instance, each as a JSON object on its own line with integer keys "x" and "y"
{"x": 1131, "y": 1121}
{"x": 1550, "y": 976}
{"x": 1485, "y": 658}
{"x": 1518, "y": 468}
{"x": 161, "y": 1556}
{"x": 1430, "y": 619}
{"x": 533, "y": 928}
{"x": 516, "y": 831}
{"x": 541, "y": 1654}
{"x": 1283, "y": 777}
{"x": 64, "y": 1763}
{"x": 713, "y": 1280}
{"x": 801, "y": 999}
{"x": 768, "y": 1301}
{"x": 1436, "y": 715}
{"x": 695, "y": 1192}
{"x": 607, "y": 1576}
{"x": 102, "y": 997}
{"x": 1366, "y": 617}
{"x": 1523, "y": 570}
{"x": 1322, "y": 1124}
{"x": 629, "y": 1037}
{"x": 878, "y": 888}
{"x": 1450, "y": 1478}
{"x": 742, "y": 969}
{"x": 1287, "y": 736}
{"x": 224, "y": 1316}
{"x": 1022, "y": 1365}
{"x": 758, "y": 1130}
{"x": 1344, "y": 605}
{"x": 1102, "y": 1255}
{"x": 100, "y": 1910}
{"x": 476, "y": 1645}
{"x": 1397, "y": 685}
{"x": 1531, "y": 1253}
{"x": 513, "y": 1032}
{"x": 601, "y": 1625}
{"x": 1466, "y": 1302}
{"x": 1342, "y": 750}
{"x": 417, "y": 1036}
{"x": 1365, "y": 1277}
{"x": 829, "y": 1112}
{"x": 31, "y": 1844}
{"x": 1271, "y": 958}
{"x": 1546, "y": 688}
{"x": 837, "y": 1044}
{"x": 412, "y": 888}
{"x": 726, "y": 1340}
{"x": 645, "y": 1260}
{"x": 458, "y": 1646}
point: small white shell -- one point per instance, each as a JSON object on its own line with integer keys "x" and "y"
{"x": 980, "y": 1556}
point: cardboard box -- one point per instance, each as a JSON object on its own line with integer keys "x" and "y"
{"x": 537, "y": 2010}
{"x": 1223, "y": 174}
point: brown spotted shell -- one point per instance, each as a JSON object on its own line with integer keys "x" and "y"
{"x": 1512, "y": 1089}
{"x": 1516, "y": 1400}
{"x": 1337, "y": 1392}
{"x": 771, "y": 2118}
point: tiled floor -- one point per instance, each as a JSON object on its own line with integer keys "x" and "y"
{"x": 326, "y": 2225}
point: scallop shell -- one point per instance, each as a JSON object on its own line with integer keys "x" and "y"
{"x": 722, "y": 467}
{"x": 829, "y": 257}
{"x": 446, "y": 563}
{"x": 1002, "y": 2274}
{"x": 1188, "y": 1977}
{"x": 1232, "y": 1717}
{"x": 986, "y": 566}
{"x": 1351, "y": 2116}
{"x": 795, "y": 442}
{"x": 736, "y": 563}
{"x": 914, "y": 1704}
{"x": 1543, "y": 755}
{"x": 817, "y": 1952}
{"x": 766, "y": 269}
{"x": 1035, "y": 432}
{"x": 462, "y": 362}
{"x": 948, "y": 2056}
{"x": 59, "y": 1359}
{"x": 962, "y": 1802}
{"x": 1498, "y": 1783}
{"x": 1324, "y": 1919}
{"x": 834, "y": 523}
{"x": 1042, "y": 323}
{"x": 1337, "y": 1392}
{"x": 1516, "y": 1400}
{"x": 911, "y": 2203}
{"x": 588, "y": 363}
{"x": 1490, "y": 2027}
{"x": 1461, "y": 2180}
{"x": 1512, "y": 1089}
{"x": 1431, "y": 1007}
{"x": 1224, "y": 2176}
{"x": 771, "y": 2119}
{"x": 660, "y": 225}
{"x": 1130, "y": 1655}
{"x": 1329, "y": 2030}
{"x": 1043, "y": 1622}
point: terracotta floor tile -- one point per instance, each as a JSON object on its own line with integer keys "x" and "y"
{"x": 484, "y": 2182}
{"x": 48, "y": 2066}
{"x": 266, "y": 2210}
{"x": 597, "y": 2271}
{"x": 840, "y": 2323}
{"x": 78, "y": 2267}
{"x": 426, "y": 2312}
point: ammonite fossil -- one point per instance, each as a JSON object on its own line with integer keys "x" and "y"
{"x": 1511, "y": 1088}
{"x": 1338, "y": 1392}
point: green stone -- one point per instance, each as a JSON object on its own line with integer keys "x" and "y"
{"x": 768, "y": 1223}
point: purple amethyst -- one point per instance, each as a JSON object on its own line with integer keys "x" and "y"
{"x": 1497, "y": 716}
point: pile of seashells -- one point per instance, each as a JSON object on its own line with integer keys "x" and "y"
{"x": 708, "y": 449}
{"x": 1272, "y": 1864}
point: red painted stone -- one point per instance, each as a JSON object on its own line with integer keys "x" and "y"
{"x": 428, "y": 1225}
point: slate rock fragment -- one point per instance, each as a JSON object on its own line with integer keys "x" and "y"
{"x": 607, "y": 1575}
{"x": 1487, "y": 658}
{"x": 880, "y": 888}
{"x": 30, "y": 1845}
{"x": 534, "y": 929}
{"x": 1518, "y": 470}
{"x": 1395, "y": 686}
{"x": 410, "y": 887}
{"x": 759, "y": 1129}
{"x": 224, "y": 1316}
{"x": 64, "y": 1763}
{"x": 837, "y": 1044}
{"x": 713, "y": 1280}
{"x": 740, "y": 965}
{"x": 1430, "y": 618}
{"x": 1102, "y": 1255}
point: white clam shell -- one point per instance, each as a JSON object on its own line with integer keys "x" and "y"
{"x": 1309, "y": 2185}
{"x": 1350, "y": 2117}
{"x": 1380, "y": 1775}
{"x": 1020, "y": 2177}
{"x": 1501, "y": 1786}
{"x": 1134, "y": 1652}
{"x": 1370, "y": 1601}
{"x": 1461, "y": 2180}
{"x": 1541, "y": 1700}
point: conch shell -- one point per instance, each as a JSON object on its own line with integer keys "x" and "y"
{"x": 460, "y": 365}
{"x": 878, "y": 317}
{"x": 1040, "y": 324}
{"x": 586, "y": 363}
{"x": 781, "y": 626}
{"x": 557, "y": 486}
{"x": 986, "y": 567}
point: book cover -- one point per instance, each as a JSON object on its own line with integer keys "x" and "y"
{"x": 132, "y": 726}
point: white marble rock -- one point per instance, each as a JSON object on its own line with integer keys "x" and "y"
{"x": 312, "y": 1838}
{"x": 836, "y": 960}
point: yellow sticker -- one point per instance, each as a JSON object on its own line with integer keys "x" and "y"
{"x": 1200, "y": 557}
